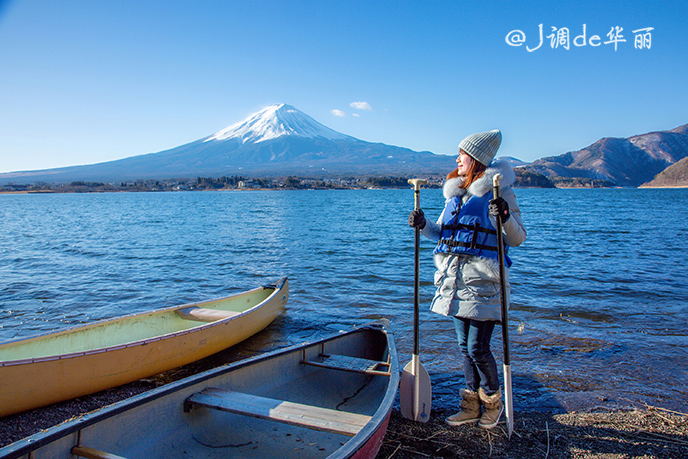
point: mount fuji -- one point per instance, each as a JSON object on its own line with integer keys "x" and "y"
{"x": 277, "y": 140}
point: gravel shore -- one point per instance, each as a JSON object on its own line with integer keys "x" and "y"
{"x": 647, "y": 433}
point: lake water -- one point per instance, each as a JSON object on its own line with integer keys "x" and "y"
{"x": 600, "y": 289}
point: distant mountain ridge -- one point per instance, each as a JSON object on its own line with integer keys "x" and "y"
{"x": 675, "y": 175}
{"x": 624, "y": 161}
{"x": 275, "y": 141}
{"x": 280, "y": 140}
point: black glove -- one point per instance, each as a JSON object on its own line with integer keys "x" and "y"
{"x": 499, "y": 207}
{"x": 417, "y": 219}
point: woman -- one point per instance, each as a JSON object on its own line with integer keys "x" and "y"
{"x": 467, "y": 277}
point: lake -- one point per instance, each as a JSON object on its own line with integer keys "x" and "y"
{"x": 599, "y": 311}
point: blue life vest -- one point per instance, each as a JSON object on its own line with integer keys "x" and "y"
{"x": 467, "y": 229}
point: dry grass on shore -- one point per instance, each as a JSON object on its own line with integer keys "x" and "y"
{"x": 649, "y": 433}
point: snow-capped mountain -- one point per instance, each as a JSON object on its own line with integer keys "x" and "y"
{"x": 514, "y": 162}
{"x": 276, "y": 121}
{"x": 277, "y": 140}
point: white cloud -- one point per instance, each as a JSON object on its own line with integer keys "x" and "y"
{"x": 355, "y": 115}
{"x": 361, "y": 106}
{"x": 338, "y": 112}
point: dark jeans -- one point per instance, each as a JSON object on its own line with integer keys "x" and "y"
{"x": 479, "y": 364}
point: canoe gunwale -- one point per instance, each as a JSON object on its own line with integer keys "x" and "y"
{"x": 278, "y": 286}
{"x": 33, "y": 442}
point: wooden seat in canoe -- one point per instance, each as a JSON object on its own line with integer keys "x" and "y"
{"x": 312, "y": 417}
{"x": 348, "y": 363}
{"x": 205, "y": 315}
{"x": 91, "y": 453}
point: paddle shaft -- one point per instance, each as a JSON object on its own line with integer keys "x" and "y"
{"x": 508, "y": 393}
{"x": 502, "y": 279}
{"x": 416, "y": 267}
{"x": 416, "y": 277}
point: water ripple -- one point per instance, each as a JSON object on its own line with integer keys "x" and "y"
{"x": 599, "y": 307}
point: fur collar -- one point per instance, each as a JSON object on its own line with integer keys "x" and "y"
{"x": 484, "y": 184}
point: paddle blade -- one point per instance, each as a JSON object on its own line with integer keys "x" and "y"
{"x": 415, "y": 392}
{"x": 508, "y": 399}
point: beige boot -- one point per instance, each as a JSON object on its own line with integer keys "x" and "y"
{"x": 470, "y": 409}
{"x": 493, "y": 409}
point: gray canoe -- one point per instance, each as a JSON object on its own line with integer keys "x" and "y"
{"x": 327, "y": 398}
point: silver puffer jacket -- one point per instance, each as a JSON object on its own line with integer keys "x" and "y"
{"x": 468, "y": 286}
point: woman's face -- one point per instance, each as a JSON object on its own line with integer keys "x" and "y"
{"x": 464, "y": 162}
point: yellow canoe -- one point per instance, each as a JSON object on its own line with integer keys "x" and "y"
{"x": 49, "y": 368}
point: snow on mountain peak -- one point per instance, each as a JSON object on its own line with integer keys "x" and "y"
{"x": 275, "y": 121}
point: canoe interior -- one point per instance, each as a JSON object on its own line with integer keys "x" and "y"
{"x": 210, "y": 433}
{"x": 123, "y": 330}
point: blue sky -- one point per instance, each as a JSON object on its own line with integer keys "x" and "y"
{"x": 84, "y": 81}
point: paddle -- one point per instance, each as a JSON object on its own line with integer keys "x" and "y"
{"x": 508, "y": 395}
{"x": 415, "y": 391}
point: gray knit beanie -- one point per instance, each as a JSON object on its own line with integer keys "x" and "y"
{"x": 482, "y": 146}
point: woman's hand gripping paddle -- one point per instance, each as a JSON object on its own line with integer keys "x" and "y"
{"x": 415, "y": 391}
{"x": 508, "y": 394}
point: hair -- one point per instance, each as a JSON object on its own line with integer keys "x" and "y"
{"x": 476, "y": 171}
